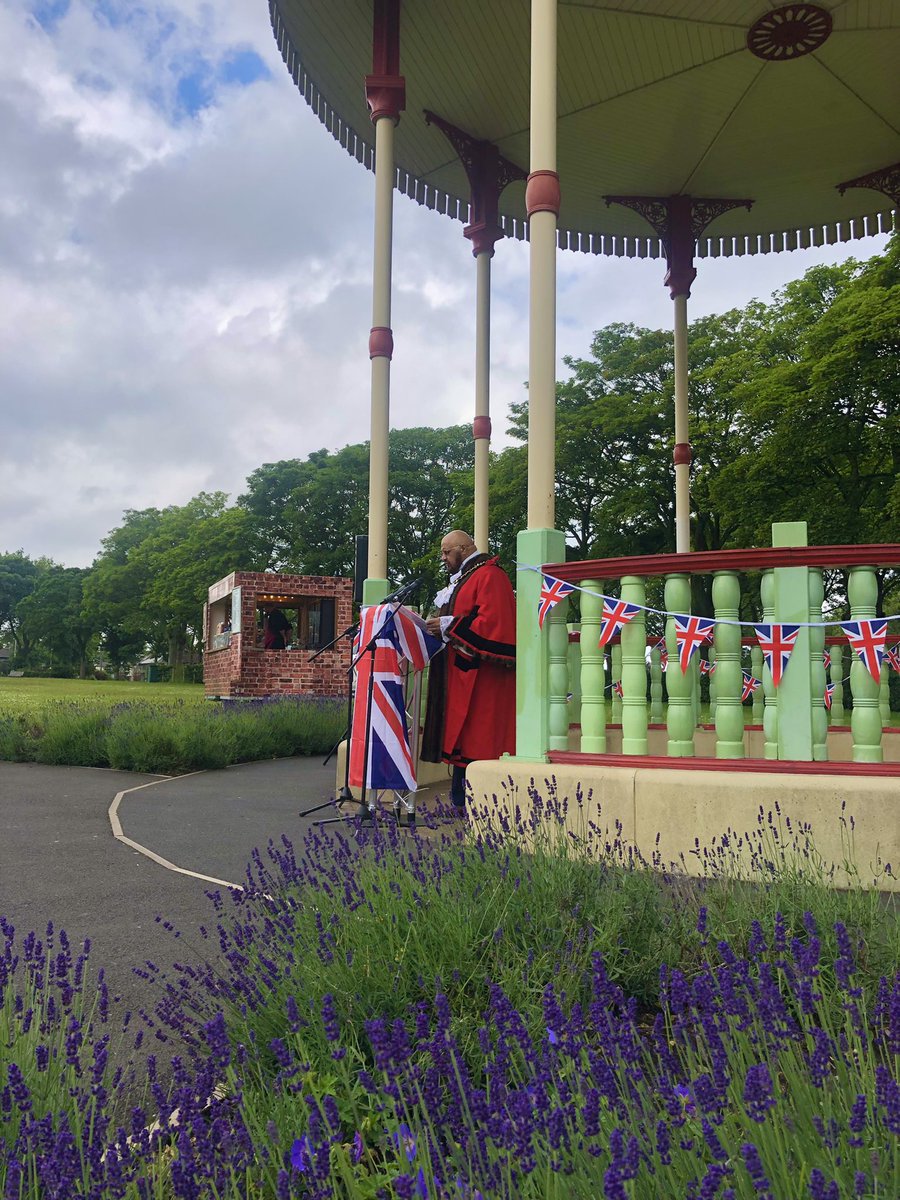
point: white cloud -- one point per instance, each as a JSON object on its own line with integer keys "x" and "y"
{"x": 185, "y": 273}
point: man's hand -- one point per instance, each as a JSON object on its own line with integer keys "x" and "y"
{"x": 433, "y": 625}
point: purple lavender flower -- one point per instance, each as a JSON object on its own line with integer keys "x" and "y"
{"x": 758, "y": 1095}
{"x": 302, "y": 1154}
{"x": 755, "y": 1170}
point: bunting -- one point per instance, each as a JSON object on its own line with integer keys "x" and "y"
{"x": 552, "y": 591}
{"x": 690, "y": 634}
{"x": 826, "y": 659}
{"x": 750, "y": 686}
{"x": 776, "y": 643}
{"x": 616, "y": 613}
{"x": 617, "y": 688}
{"x": 829, "y": 696}
{"x": 893, "y": 657}
{"x": 664, "y": 653}
{"x": 869, "y": 640}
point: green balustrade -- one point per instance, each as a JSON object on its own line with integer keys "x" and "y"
{"x": 593, "y": 676}
{"x": 884, "y": 697}
{"x": 770, "y": 709}
{"x": 865, "y": 719}
{"x": 574, "y": 670}
{"x": 713, "y": 686}
{"x": 680, "y": 717}
{"x": 726, "y": 593}
{"x": 794, "y": 694}
{"x": 817, "y": 666}
{"x": 756, "y": 670}
{"x": 837, "y": 715}
{"x": 634, "y": 669}
{"x": 656, "y": 688}
{"x": 616, "y": 675}
{"x": 558, "y": 676}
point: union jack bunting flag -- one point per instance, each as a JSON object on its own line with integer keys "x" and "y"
{"x": 617, "y": 688}
{"x": 776, "y": 643}
{"x": 552, "y": 591}
{"x": 616, "y": 613}
{"x": 707, "y": 667}
{"x": 750, "y": 686}
{"x": 401, "y": 641}
{"x": 826, "y": 659}
{"x": 893, "y": 657}
{"x": 829, "y": 695}
{"x": 869, "y": 640}
{"x": 663, "y": 653}
{"x": 690, "y": 634}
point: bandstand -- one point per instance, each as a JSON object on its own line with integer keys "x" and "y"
{"x": 670, "y": 129}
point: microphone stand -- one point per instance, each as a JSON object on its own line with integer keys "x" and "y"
{"x": 344, "y": 794}
{"x": 365, "y": 812}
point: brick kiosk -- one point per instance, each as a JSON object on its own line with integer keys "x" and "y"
{"x": 235, "y": 663}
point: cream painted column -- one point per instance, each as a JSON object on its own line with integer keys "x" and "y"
{"x": 542, "y": 201}
{"x": 481, "y": 428}
{"x": 682, "y": 453}
{"x": 386, "y": 99}
{"x": 381, "y": 346}
{"x": 540, "y": 543}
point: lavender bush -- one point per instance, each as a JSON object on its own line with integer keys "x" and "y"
{"x": 407, "y": 1016}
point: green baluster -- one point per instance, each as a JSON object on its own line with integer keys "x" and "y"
{"x": 616, "y": 674}
{"x": 680, "y": 717}
{"x": 593, "y": 699}
{"x": 837, "y": 715}
{"x": 756, "y": 670}
{"x": 817, "y": 666}
{"x": 770, "y": 709}
{"x": 713, "y": 692}
{"x": 884, "y": 697}
{"x": 795, "y": 725}
{"x": 656, "y": 688}
{"x": 695, "y": 688}
{"x": 558, "y": 676}
{"x": 726, "y": 592}
{"x": 634, "y": 669}
{"x": 574, "y": 669}
{"x": 865, "y": 719}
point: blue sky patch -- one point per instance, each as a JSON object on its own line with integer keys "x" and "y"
{"x": 243, "y": 67}
{"x": 48, "y": 12}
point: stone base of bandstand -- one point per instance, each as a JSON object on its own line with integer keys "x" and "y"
{"x": 671, "y": 815}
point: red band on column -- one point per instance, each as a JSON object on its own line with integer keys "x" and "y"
{"x": 682, "y": 454}
{"x": 481, "y": 428}
{"x": 542, "y": 193}
{"x": 381, "y": 342}
{"x": 385, "y": 96}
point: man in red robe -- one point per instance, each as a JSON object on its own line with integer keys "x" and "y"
{"x": 471, "y": 711}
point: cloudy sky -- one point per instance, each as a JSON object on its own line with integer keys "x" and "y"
{"x": 185, "y": 272}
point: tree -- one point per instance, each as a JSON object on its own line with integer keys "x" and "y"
{"x": 18, "y": 577}
{"x": 52, "y": 619}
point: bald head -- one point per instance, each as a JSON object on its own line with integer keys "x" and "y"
{"x": 455, "y": 549}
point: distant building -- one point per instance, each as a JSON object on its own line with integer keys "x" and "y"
{"x": 236, "y": 662}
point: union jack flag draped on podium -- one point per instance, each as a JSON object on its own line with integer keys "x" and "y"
{"x": 869, "y": 640}
{"x": 401, "y": 642}
{"x": 616, "y": 613}
{"x": 776, "y": 643}
{"x": 751, "y": 683}
{"x": 552, "y": 591}
{"x": 690, "y": 634}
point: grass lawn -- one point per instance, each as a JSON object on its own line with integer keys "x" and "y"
{"x": 18, "y": 695}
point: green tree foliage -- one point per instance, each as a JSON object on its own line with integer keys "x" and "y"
{"x": 18, "y": 577}
{"x": 52, "y": 619}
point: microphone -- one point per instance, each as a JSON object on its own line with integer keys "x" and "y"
{"x": 406, "y": 590}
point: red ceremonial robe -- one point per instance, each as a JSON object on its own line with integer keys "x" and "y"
{"x": 479, "y": 682}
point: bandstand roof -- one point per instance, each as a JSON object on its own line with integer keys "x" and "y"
{"x": 656, "y": 98}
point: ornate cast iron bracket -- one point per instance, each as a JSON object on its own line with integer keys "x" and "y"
{"x": 678, "y": 221}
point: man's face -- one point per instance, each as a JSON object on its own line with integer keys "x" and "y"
{"x": 452, "y": 554}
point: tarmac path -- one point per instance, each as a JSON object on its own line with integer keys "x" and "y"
{"x": 60, "y": 860}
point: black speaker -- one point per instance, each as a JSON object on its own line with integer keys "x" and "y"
{"x": 360, "y": 566}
